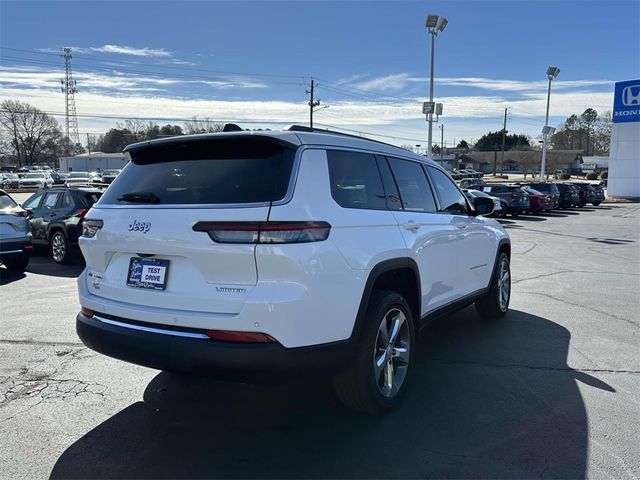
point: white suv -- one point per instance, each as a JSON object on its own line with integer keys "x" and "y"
{"x": 251, "y": 255}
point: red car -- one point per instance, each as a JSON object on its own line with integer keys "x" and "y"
{"x": 537, "y": 200}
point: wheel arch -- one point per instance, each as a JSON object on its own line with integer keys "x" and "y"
{"x": 398, "y": 274}
{"x": 56, "y": 227}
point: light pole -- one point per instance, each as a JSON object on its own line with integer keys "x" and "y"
{"x": 552, "y": 72}
{"x": 434, "y": 24}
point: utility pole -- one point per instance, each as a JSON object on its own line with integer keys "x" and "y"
{"x": 88, "y": 144}
{"x": 504, "y": 134}
{"x": 312, "y": 104}
{"x": 441, "y": 143}
{"x": 69, "y": 89}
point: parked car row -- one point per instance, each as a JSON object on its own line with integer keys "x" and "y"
{"x": 47, "y": 178}
{"x": 15, "y": 234}
{"x": 465, "y": 173}
{"x": 52, "y": 217}
{"x": 535, "y": 197}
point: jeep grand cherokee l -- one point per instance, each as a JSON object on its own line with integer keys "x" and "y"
{"x": 250, "y": 254}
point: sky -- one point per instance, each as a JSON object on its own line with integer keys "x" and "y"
{"x": 251, "y": 62}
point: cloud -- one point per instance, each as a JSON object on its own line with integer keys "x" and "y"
{"x": 136, "y": 52}
{"x": 117, "y": 49}
{"x": 404, "y": 81}
{"x": 114, "y": 81}
{"x": 387, "y": 83}
{"x": 121, "y": 94}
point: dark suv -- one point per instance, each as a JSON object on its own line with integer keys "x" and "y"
{"x": 585, "y": 191}
{"x": 514, "y": 200}
{"x": 569, "y": 196}
{"x": 56, "y": 218}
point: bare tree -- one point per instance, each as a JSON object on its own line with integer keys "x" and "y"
{"x": 202, "y": 125}
{"x": 32, "y": 133}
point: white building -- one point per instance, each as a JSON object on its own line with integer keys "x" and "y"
{"x": 93, "y": 162}
{"x": 624, "y": 153}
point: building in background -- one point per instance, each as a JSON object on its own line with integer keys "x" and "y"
{"x": 624, "y": 153}
{"x": 93, "y": 162}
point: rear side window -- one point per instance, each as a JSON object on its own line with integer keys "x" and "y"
{"x": 236, "y": 170}
{"x": 51, "y": 199}
{"x": 415, "y": 192}
{"x": 6, "y": 202}
{"x": 451, "y": 199}
{"x": 355, "y": 180}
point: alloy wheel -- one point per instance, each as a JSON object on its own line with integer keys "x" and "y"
{"x": 392, "y": 352}
{"x": 58, "y": 247}
{"x": 504, "y": 285}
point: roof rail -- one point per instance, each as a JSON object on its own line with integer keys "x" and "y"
{"x": 303, "y": 128}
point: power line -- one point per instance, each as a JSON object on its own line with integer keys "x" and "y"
{"x": 91, "y": 68}
{"x": 251, "y": 122}
{"x": 174, "y": 67}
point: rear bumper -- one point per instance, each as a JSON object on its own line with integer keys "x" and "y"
{"x": 229, "y": 360}
{"x": 15, "y": 246}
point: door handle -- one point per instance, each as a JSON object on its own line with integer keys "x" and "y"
{"x": 411, "y": 226}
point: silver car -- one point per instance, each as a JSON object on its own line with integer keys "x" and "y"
{"x": 15, "y": 234}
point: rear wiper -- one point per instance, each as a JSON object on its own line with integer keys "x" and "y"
{"x": 139, "y": 197}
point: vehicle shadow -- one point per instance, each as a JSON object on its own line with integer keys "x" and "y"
{"x": 487, "y": 400}
{"x": 532, "y": 218}
{"x": 44, "y": 265}
{"x": 554, "y": 214}
{"x": 6, "y": 276}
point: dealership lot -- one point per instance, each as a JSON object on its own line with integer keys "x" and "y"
{"x": 553, "y": 390}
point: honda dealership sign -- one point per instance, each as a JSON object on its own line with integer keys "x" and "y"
{"x": 624, "y": 153}
{"x": 626, "y": 103}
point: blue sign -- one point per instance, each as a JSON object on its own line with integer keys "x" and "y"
{"x": 626, "y": 102}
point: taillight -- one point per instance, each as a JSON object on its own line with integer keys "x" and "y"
{"x": 246, "y": 337}
{"x": 87, "y": 312}
{"x": 81, "y": 213}
{"x": 264, "y": 232}
{"x": 90, "y": 227}
{"x": 28, "y": 248}
{"x": 20, "y": 213}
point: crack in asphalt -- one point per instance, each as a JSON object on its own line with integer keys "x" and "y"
{"x": 549, "y": 232}
{"x": 49, "y": 389}
{"x": 560, "y": 272}
{"x": 591, "y": 309}
{"x": 47, "y": 386}
{"x": 535, "y": 367}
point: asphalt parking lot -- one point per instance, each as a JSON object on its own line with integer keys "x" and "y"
{"x": 551, "y": 391}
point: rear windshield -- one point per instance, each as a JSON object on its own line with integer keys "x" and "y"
{"x": 91, "y": 197}
{"x": 220, "y": 171}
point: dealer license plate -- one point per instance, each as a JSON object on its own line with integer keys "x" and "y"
{"x": 148, "y": 273}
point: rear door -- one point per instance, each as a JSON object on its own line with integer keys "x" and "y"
{"x": 475, "y": 249}
{"x": 432, "y": 239}
{"x": 182, "y": 213}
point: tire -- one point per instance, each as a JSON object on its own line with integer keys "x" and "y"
{"x": 59, "y": 248}
{"x": 515, "y": 214}
{"x": 595, "y": 204}
{"x": 17, "y": 263}
{"x": 372, "y": 384}
{"x": 495, "y": 303}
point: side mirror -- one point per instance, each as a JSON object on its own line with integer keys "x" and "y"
{"x": 483, "y": 205}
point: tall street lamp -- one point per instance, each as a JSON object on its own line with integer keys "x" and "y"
{"x": 434, "y": 24}
{"x": 547, "y": 131}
